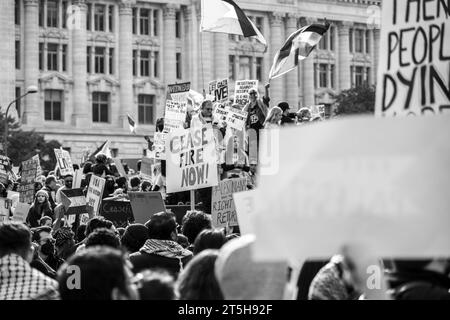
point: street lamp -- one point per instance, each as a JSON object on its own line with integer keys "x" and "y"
{"x": 30, "y": 89}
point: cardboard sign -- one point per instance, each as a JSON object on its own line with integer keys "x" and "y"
{"x": 223, "y": 212}
{"x": 120, "y": 167}
{"x": 220, "y": 113}
{"x": 21, "y": 212}
{"x": 175, "y": 115}
{"x": 4, "y": 168}
{"x": 160, "y": 145}
{"x": 145, "y": 205}
{"x": 191, "y": 159}
{"x": 77, "y": 178}
{"x": 378, "y": 188}
{"x": 28, "y": 177}
{"x": 74, "y": 201}
{"x": 241, "y": 90}
{"x": 146, "y": 168}
{"x": 94, "y": 194}
{"x": 118, "y": 212}
{"x": 414, "y": 67}
{"x": 219, "y": 90}
{"x": 245, "y": 204}
{"x": 179, "y": 91}
{"x": 38, "y": 165}
{"x": 64, "y": 162}
{"x": 236, "y": 119}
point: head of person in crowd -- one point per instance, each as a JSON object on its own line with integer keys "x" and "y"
{"x": 240, "y": 278}
{"x": 103, "y": 237}
{"x": 274, "y": 116}
{"x": 41, "y": 197}
{"x": 37, "y": 186}
{"x": 146, "y": 186}
{"x": 109, "y": 186}
{"x": 162, "y": 226}
{"x": 75, "y": 167}
{"x": 15, "y": 238}
{"x": 135, "y": 183}
{"x": 64, "y": 242}
{"x": 193, "y": 223}
{"x": 304, "y": 115}
{"x": 42, "y": 236}
{"x": 68, "y": 180}
{"x": 134, "y": 237}
{"x": 156, "y": 285}
{"x": 97, "y": 223}
{"x": 103, "y": 274}
{"x": 209, "y": 239}
{"x": 253, "y": 95}
{"x": 122, "y": 184}
{"x": 198, "y": 280}
{"x": 207, "y": 109}
{"x": 100, "y": 158}
{"x": 284, "y": 106}
{"x": 87, "y": 167}
{"x": 46, "y": 221}
{"x": 50, "y": 183}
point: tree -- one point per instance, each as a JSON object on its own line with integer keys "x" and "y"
{"x": 22, "y": 145}
{"x": 359, "y": 100}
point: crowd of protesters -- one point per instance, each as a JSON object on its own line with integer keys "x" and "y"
{"x": 46, "y": 258}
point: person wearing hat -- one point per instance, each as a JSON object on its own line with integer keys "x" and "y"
{"x": 41, "y": 207}
{"x": 257, "y": 109}
{"x": 285, "y": 119}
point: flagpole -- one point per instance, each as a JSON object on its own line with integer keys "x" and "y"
{"x": 201, "y": 62}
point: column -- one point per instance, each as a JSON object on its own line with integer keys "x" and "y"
{"x": 169, "y": 44}
{"x": 221, "y": 56}
{"x": 291, "y": 78}
{"x": 189, "y": 44}
{"x": 80, "y": 108}
{"x": 276, "y": 42}
{"x": 376, "y": 52}
{"x": 92, "y": 60}
{"x": 106, "y": 55}
{"x": 138, "y": 61}
{"x": 60, "y": 57}
{"x": 126, "y": 62}
{"x": 7, "y": 54}
{"x": 45, "y": 55}
{"x": 344, "y": 56}
{"x": 308, "y": 74}
{"x": 31, "y": 115}
{"x": 372, "y": 74}
{"x": 193, "y": 31}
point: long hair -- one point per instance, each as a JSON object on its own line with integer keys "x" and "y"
{"x": 272, "y": 113}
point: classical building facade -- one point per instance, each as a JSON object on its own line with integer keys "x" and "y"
{"x": 94, "y": 61}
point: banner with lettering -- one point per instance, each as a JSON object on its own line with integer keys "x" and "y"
{"x": 223, "y": 211}
{"x": 219, "y": 90}
{"x": 241, "y": 90}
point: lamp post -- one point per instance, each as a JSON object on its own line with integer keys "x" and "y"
{"x": 30, "y": 89}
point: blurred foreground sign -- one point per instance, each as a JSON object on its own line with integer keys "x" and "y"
{"x": 383, "y": 183}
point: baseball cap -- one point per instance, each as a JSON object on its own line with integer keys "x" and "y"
{"x": 283, "y": 106}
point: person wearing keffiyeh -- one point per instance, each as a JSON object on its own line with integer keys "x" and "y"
{"x": 18, "y": 280}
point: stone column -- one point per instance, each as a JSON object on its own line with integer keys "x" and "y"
{"x": 169, "y": 44}
{"x": 126, "y": 62}
{"x": 376, "y": 52}
{"x": 344, "y": 56}
{"x": 32, "y": 115}
{"x": 308, "y": 74}
{"x": 291, "y": 78}
{"x": 276, "y": 42}
{"x": 80, "y": 109}
{"x": 220, "y": 56}
{"x": 7, "y": 54}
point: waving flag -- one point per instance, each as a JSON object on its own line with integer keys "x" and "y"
{"x": 132, "y": 124}
{"x": 104, "y": 148}
{"x": 297, "y": 47}
{"x": 226, "y": 17}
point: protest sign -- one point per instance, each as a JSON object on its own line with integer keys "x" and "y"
{"x": 191, "y": 159}
{"x": 219, "y": 90}
{"x": 28, "y": 177}
{"x": 236, "y": 119}
{"x": 64, "y": 162}
{"x": 21, "y": 211}
{"x": 160, "y": 145}
{"x": 119, "y": 167}
{"x": 145, "y": 205}
{"x": 4, "y": 168}
{"x": 414, "y": 67}
{"x": 220, "y": 113}
{"x": 118, "y": 212}
{"x": 4, "y": 206}
{"x": 241, "y": 90}
{"x": 175, "y": 115}
{"x": 38, "y": 165}
{"x": 74, "y": 201}
{"x": 77, "y": 177}
{"x": 179, "y": 91}
{"x": 223, "y": 212}
{"x": 146, "y": 168}
{"x": 235, "y": 149}
{"x": 94, "y": 194}
{"x": 378, "y": 188}
{"x": 245, "y": 203}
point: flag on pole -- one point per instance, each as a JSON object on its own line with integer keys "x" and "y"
{"x": 104, "y": 148}
{"x": 225, "y": 16}
{"x": 132, "y": 124}
{"x": 297, "y": 47}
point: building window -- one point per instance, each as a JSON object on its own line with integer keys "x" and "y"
{"x": 178, "y": 24}
{"x": 53, "y": 105}
{"x": 88, "y": 59}
{"x": 18, "y": 55}
{"x": 259, "y": 62}
{"x": 156, "y": 64}
{"x": 18, "y": 94}
{"x": 145, "y": 63}
{"x": 52, "y": 56}
{"x": 114, "y": 152}
{"x": 134, "y": 10}
{"x": 323, "y": 44}
{"x": 359, "y": 40}
{"x": 64, "y": 57}
{"x": 144, "y": 22}
{"x": 111, "y": 18}
{"x": 368, "y": 42}
{"x": 179, "y": 66}
{"x": 99, "y": 17}
{"x": 99, "y": 60}
{"x": 331, "y": 35}
{"x": 231, "y": 68}
{"x": 244, "y": 67}
{"x": 260, "y": 24}
{"x": 111, "y": 60}
{"x": 350, "y": 34}
{"x": 332, "y": 75}
{"x": 155, "y": 23}
{"x": 52, "y": 13}
{"x": 323, "y": 74}
{"x": 41, "y": 56}
{"x": 17, "y": 12}
{"x": 100, "y": 106}
{"x": 134, "y": 63}
{"x": 367, "y": 76}
{"x": 88, "y": 16}
{"x": 359, "y": 76}
{"x": 145, "y": 108}
{"x": 41, "y": 13}
{"x": 64, "y": 14}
